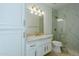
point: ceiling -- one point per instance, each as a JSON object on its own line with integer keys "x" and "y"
{"x": 56, "y": 5}
{"x": 52, "y": 5}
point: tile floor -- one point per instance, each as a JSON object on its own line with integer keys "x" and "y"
{"x": 58, "y": 54}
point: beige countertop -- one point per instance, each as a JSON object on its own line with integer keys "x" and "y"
{"x": 34, "y": 37}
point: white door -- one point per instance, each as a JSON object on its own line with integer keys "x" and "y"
{"x": 11, "y": 29}
{"x": 10, "y": 42}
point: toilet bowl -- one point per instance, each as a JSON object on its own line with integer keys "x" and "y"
{"x": 57, "y": 46}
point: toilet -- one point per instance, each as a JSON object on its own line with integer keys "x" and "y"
{"x": 56, "y": 46}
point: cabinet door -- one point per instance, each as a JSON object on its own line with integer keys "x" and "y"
{"x": 39, "y": 51}
{"x": 49, "y": 47}
{"x": 31, "y": 51}
{"x": 44, "y": 49}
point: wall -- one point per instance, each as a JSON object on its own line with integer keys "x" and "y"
{"x": 54, "y": 23}
{"x": 70, "y": 13}
{"x": 47, "y": 17}
{"x": 48, "y": 20}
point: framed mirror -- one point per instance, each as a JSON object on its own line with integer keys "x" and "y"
{"x": 34, "y": 23}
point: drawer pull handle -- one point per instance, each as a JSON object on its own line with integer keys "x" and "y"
{"x": 32, "y": 45}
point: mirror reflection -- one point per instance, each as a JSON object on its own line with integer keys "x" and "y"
{"x": 34, "y": 22}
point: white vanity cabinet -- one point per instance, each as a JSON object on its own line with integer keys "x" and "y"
{"x": 39, "y": 47}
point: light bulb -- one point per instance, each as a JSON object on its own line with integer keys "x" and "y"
{"x": 31, "y": 12}
{"x": 42, "y": 13}
{"x": 34, "y": 9}
{"x": 39, "y": 11}
{"x": 31, "y": 9}
{"x": 36, "y": 13}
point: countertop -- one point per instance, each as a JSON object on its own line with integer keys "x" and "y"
{"x": 32, "y": 38}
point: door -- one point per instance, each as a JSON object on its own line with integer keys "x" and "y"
{"x": 31, "y": 50}
{"x": 10, "y": 42}
{"x": 11, "y": 29}
{"x": 39, "y": 50}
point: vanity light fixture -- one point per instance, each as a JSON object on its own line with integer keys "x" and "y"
{"x": 36, "y": 11}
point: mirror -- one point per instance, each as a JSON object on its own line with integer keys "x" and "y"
{"x": 34, "y": 23}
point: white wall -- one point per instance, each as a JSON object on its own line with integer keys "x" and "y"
{"x": 47, "y": 17}
{"x": 70, "y": 13}
{"x": 54, "y": 23}
{"x": 54, "y": 20}
{"x": 48, "y": 21}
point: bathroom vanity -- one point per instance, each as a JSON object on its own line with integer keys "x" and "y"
{"x": 38, "y": 40}
{"x": 38, "y": 45}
